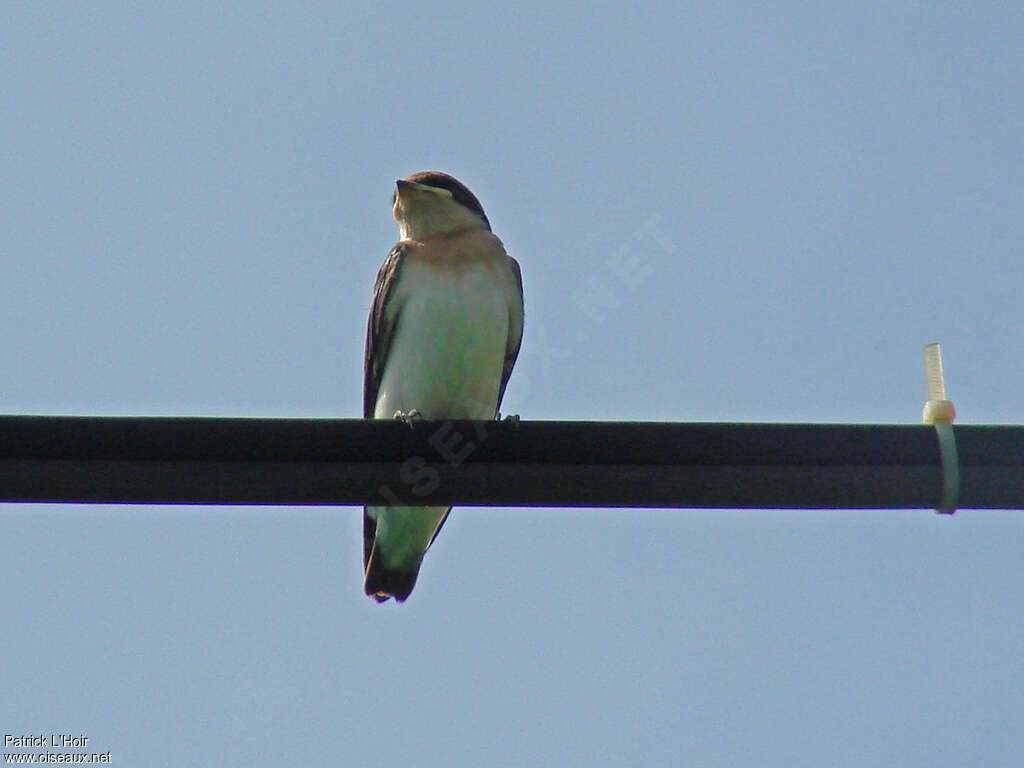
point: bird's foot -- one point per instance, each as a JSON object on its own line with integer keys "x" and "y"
{"x": 408, "y": 417}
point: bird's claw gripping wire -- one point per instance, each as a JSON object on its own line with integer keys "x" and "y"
{"x": 409, "y": 418}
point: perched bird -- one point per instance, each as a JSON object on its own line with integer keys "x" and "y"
{"x": 443, "y": 335}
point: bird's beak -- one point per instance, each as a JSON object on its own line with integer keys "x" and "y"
{"x": 403, "y": 187}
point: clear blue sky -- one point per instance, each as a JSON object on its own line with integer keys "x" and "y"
{"x": 194, "y": 206}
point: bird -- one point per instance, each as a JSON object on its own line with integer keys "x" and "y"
{"x": 445, "y": 328}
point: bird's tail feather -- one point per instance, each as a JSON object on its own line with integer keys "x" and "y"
{"x": 382, "y": 582}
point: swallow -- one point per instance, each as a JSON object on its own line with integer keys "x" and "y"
{"x": 444, "y": 332}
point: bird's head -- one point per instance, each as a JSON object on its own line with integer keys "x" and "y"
{"x": 431, "y": 203}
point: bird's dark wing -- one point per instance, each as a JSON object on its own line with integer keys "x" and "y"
{"x": 515, "y": 330}
{"x": 380, "y": 329}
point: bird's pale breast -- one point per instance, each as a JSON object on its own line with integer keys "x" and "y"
{"x": 447, "y": 354}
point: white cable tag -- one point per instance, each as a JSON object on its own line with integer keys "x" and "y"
{"x": 940, "y": 412}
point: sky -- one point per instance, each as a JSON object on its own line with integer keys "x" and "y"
{"x": 776, "y": 206}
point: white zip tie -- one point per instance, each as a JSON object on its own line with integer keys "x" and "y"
{"x": 940, "y": 412}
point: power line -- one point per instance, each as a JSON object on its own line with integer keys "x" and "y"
{"x": 535, "y": 463}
